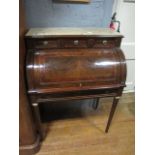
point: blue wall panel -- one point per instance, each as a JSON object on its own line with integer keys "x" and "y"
{"x": 45, "y": 13}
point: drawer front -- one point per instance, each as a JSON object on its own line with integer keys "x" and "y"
{"x": 43, "y": 44}
{"x": 81, "y": 94}
{"x": 74, "y": 43}
{"x": 105, "y": 43}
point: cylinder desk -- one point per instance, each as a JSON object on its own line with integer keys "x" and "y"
{"x": 71, "y": 64}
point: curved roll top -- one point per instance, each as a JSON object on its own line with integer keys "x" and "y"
{"x": 71, "y": 69}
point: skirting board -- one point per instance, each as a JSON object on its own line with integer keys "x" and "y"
{"x": 30, "y": 149}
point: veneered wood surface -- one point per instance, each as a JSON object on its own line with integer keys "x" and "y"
{"x": 73, "y": 68}
{"x": 59, "y": 69}
{"x": 73, "y": 42}
{"x": 27, "y": 132}
{"x": 26, "y": 128}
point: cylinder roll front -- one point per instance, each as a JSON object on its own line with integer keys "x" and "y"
{"x": 71, "y": 68}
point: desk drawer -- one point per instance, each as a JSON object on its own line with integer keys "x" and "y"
{"x": 73, "y": 95}
{"x": 53, "y": 43}
{"x": 74, "y": 43}
{"x": 61, "y": 43}
{"x": 105, "y": 43}
{"x": 43, "y": 44}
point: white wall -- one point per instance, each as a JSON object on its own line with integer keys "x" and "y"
{"x": 126, "y": 15}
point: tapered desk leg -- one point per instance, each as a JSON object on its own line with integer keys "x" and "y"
{"x": 113, "y": 108}
{"x": 95, "y": 103}
{"x": 38, "y": 120}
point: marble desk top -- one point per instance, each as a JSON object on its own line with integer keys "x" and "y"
{"x": 69, "y": 31}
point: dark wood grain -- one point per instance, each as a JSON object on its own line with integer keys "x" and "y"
{"x": 73, "y": 68}
{"x": 96, "y": 103}
{"x": 67, "y": 70}
{"x": 72, "y": 42}
{"x": 29, "y": 140}
{"x": 114, "y": 105}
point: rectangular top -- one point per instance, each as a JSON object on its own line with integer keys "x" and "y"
{"x": 71, "y": 32}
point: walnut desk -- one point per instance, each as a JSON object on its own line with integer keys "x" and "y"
{"x": 73, "y": 63}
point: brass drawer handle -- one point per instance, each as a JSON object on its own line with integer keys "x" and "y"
{"x": 76, "y": 42}
{"x": 45, "y": 42}
{"x": 104, "y": 42}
